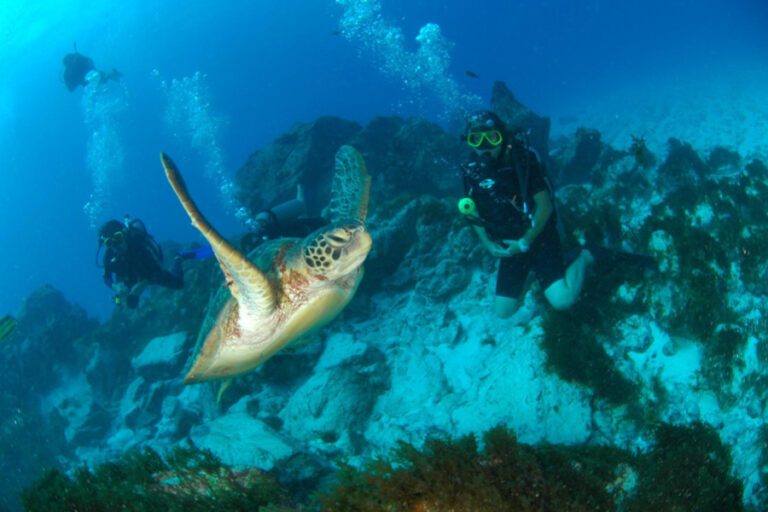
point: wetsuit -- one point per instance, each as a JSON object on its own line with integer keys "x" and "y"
{"x": 76, "y": 67}
{"x": 140, "y": 260}
{"x": 503, "y": 191}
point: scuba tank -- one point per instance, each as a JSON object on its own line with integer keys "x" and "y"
{"x": 266, "y": 224}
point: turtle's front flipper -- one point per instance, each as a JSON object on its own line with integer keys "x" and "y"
{"x": 350, "y": 188}
{"x": 248, "y": 285}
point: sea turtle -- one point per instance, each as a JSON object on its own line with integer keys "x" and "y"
{"x": 289, "y": 288}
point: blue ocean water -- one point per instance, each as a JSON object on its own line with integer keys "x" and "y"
{"x": 209, "y": 82}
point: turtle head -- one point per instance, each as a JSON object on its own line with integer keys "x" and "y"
{"x": 337, "y": 250}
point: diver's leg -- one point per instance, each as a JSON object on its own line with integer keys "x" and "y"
{"x": 510, "y": 282}
{"x": 132, "y": 298}
{"x": 173, "y": 279}
{"x": 504, "y": 307}
{"x": 563, "y": 293}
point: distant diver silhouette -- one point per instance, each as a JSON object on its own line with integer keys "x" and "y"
{"x": 80, "y": 70}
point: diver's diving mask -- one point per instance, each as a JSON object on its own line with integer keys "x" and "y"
{"x": 114, "y": 239}
{"x": 476, "y": 138}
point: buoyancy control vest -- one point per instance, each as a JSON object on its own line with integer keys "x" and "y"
{"x": 503, "y": 189}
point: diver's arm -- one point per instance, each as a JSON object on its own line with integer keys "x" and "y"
{"x": 541, "y": 215}
{"x": 496, "y": 249}
{"x": 110, "y": 280}
{"x": 138, "y": 288}
{"x": 120, "y": 288}
{"x": 109, "y": 275}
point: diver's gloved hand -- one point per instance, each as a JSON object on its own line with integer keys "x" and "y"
{"x": 505, "y": 249}
{"x": 120, "y": 289}
{"x": 512, "y": 247}
{"x": 121, "y": 292}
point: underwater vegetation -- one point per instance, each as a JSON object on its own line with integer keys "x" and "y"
{"x": 643, "y": 156}
{"x": 187, "y": 480}
{"x": 573, "y": 339}
{"x": 719, "y": 244}
{"x": 708, "y": 231}
{"x": 456, "y": 474}
{"x": 687, "y": 470}
{"x": 572, "y": 343}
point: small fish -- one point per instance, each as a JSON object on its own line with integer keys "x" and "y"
{"x": 7, "y": 326}
{"x": 471, "y": 74}
{"x": 336, "y": 32}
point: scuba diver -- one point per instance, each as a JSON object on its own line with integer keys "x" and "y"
{"x": 80, "y": 70}
{"x": 285, "y": 220}
{"x": 133, "y": 260}
{"x": 510, "y": 205}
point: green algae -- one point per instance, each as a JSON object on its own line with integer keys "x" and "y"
{"x": 687, "y": 469}
{"x": 575, "y": 353}
{"x": 719, "y": 236}
{"x": 644, "y": 158}
{"x": 141, "y": 481}
{"x": 457, "y": 474}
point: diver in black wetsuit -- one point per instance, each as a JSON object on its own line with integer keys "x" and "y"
{"x": 133, "y": 260}
{"x": 80, "y": 70}
{"x": 510, "y": 205}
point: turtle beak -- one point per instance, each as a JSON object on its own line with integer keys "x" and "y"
{"x": 361, "y": 244}
{"x": 356, "y": 251}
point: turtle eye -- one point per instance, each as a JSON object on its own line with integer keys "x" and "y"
{"x": 339, "y": 237}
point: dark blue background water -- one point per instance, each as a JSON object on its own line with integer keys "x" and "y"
{"x": 269, "y": 64}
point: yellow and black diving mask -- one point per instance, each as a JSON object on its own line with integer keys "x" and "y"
{"x": 114, "y": 239}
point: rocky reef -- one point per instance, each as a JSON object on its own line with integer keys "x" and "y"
{"x": 649, "y": 394}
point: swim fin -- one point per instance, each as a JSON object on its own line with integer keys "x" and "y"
{"x": 196, "y": 254}
{"x": 7, "y": 326}
{"x": 606, "y": 256}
